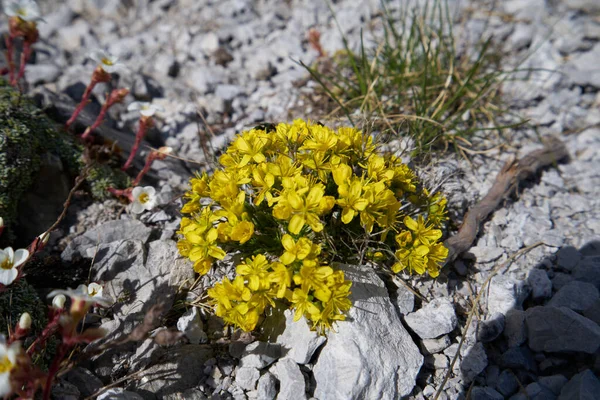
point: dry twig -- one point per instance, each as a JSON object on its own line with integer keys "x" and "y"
{"x": 508, "y": 178}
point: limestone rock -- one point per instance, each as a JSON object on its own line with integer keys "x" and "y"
{"x": 561, "y": 330}
{"x": 297, "y": 341}
{"x": 371, "y": 355}
{"x": 435, "y": 319}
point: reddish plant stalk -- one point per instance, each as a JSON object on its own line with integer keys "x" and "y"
{"x": 116, "y": 96}
{"x": 53, "y": 370}
{"x": 84, "y": 101}
{"x": 48, "y": 331}
{"x": 145, "y": 124}
{"x": 98, "y": 76}
{"x": 9, "y": 57}
{"x": 154, "y": 155}
{"x": 25, "y": 54}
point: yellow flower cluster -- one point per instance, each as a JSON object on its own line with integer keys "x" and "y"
{"x": 292, "y": 197}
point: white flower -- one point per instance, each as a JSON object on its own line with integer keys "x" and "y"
{"x": 107, "y": 62}
{"x": 94, "y": 290}
{"x": 27, "y": 10}
{"x": 8, "y": 361}
{"x": 1, "y": 222}
{"x": 83, "y": 293}
{"x": 144, "y": 198}
{"x": 25, "y": 321}
{"x": 9, "y": 262}
{"x": 59, "y": 301}
{"x": 146, "y": 109}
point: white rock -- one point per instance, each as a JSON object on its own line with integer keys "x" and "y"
{"x": 260, "y": 354}
{"x": 291, "y": 386}
{"x": 191, "y": 324}
{"x": 371, "y": 355}
{"x": 435, "y": 319}
{"x": 486, "y": 254}
{"x": 505, "y": 293}
{"x": 298, "y": 342}
{"x": 246, "y": 377}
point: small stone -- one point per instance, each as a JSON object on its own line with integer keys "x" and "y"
{"x": 541, "y": 285}
{"x": 191, "y": 324}
{"x": 507, "y": 383}
{"x": 518, "y": 358}
{"x": 561, "y": 330}
{"x": 437, "y": 361}
{"x": 42, "y": 73}
{"x": 84, "y": 380}
{"x": 432, "y": 346}
{"x": 593, "y": 313}
{"x": 461, "y": 268}
{"x": 298, "y": 341}
{"x": 246, "y": 377}
{"x": 576, "y": 295}
{"x": 260, "y": 354}
{"x": 567, "y": 258}
{"x": 267, "y": 387}
{"x": 435, "y": 319}
{"x": 535, "y": 391}
{"x": 486, "y": 254}
{"x": 120, "y": 394}
{"x": 583, "y": 386}
{"x": 505, "y": 293}
{"x": 560, "y": 279}
{"x": 491, "y": 328}
{"x": 588, "y": 270}
{"x": 405, "y": 300}
{"x": 514, "y": 328}
{"x": 474, "y": 362}
{"x": 291, "y": 380}
{"x": 554, "y": 382}
{"x": 485, "y": 393}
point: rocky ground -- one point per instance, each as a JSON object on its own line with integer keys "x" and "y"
{"x": 535, "y": 333}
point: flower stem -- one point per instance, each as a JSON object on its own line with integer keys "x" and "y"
{"x": 145, "y": 122}
{"x": 25, "y": 54}
{"x": 9, "y": 57}
{"x": 84, "y": 101}
{"x": 53, "y": 370}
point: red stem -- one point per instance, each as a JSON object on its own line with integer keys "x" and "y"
{"x": 53, "y": 370}
{"x": 9, "y": 57}
{"x": 98, "y": 121}
{"x": 48, "y": 331}
{"x": 138, "y": 139}
{"x": 83, "y": 103}
{"x": 144, "y": 171}
{"x": 25, "y": 54}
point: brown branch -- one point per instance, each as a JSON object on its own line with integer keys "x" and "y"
{"x": 507, "y": 180}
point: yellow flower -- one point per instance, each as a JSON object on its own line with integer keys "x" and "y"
{"x": 264, "y": 180}
{"x": 318, "y": 162}
{"x": 303, "y": 305}
{"x": 350, "y": 191}
{"x": 285, "y": 169}
{"x": 204, "y": 250}
{"x": 415, "y": 259}
{"x": 256, "y": 270}
{"x": 303, "y": 209}
{"x": 312, "y": 277}
{"x": 297, "y": 250}
{"x": 423, "y": 234}
{"x": 282, "y": 277}
{"x": 320, "y": 139}
{"x": 250, "y": 145}
{"x": 436, "y": 256}
{"x": 377, "y": 170}
{"x": 223, "y": 293}
{"x": 242, "y": 232}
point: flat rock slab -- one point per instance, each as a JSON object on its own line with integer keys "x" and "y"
{"x": 137, "y": 277}
{"x": 105, "y": 233}
{"x": 561, "y": 330}
{"x": 576, "y": 295}
{"x": 437, "y": 318}
{"x": 371, "y": 356}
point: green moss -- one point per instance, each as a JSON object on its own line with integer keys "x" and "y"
{"x": 26, "y": 133}
{"x": 18, "y": 298}
{"x": 102, "y": 177}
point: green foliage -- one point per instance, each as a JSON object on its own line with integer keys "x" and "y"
{"x": 18, "y": 298}
{"x": 25, "y": 134}
{"x": 102, "y": 177}
{"x": 415, "y": 83}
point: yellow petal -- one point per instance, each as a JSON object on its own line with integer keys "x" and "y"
{"x": 296, "y": 223}
{"x": 411, "y": 223}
